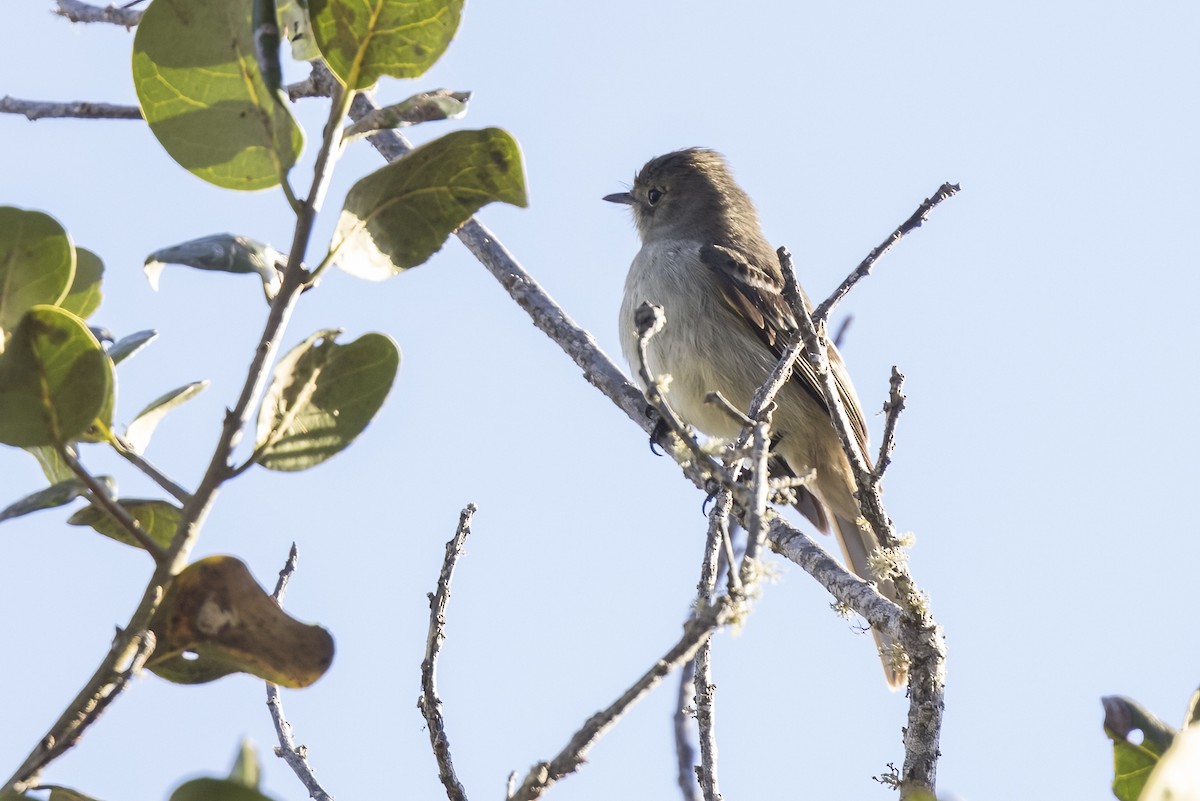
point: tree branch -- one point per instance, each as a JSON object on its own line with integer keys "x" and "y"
{"x": 39, "y": 109}
{"x": 918, "y": 632}
{"x": 946, "y": 190}
{"x": 892, "y": 408}
{"x": 295, "y": 756}
{"x": 685, "y": 751}
{"x": 101, "y": 497}
{"x": 130, "y": 454}
{"x": 429, "y": 703}
{"x": 77, "y": 11}
{"x": 696, "y": 632}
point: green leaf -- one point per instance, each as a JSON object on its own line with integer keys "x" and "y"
{"x": 54, "y": 379}
{"x": 125, "y": 347}
{"x": 222, "y": 253}
{"x": 52, "y": 464}
{"x": 216, "y": 620}
{"x": 139, "y": 432}
{"x": 1133, "y": 761}
{"x": 295, "y": 26}
{"x": 58, "y": 793}
{"x": 83, "y": 298}
{"x": 59, "y": 494}
{"x": 158, "y": 519}
{"x": 363, "y": 40}
{"x": 322, "y": 396}
{"x": 246, "y": 769}
{"x": 200, "y": 89}
{"x": 439, "y": 104}
{"x": 37, "y": 263}
{"x": 398, "y": 216}
{"x": 216, "y": 790}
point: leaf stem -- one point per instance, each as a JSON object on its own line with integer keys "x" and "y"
{"x": 102, "y": 498}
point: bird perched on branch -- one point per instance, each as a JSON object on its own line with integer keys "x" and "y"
{"x": 705, "y": 260}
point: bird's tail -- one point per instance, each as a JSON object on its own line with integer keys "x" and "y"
{"x": 857, "y": 546}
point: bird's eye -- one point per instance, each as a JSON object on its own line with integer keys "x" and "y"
{"x": 653, "y": 196}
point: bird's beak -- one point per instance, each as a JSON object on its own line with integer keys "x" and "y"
{"x": 621, "y": 197}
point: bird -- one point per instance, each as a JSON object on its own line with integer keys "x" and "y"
{"x": 705, "y": 260}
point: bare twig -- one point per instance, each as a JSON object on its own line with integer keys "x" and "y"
{"x": 160, "y": 478}
{"x": 319, "y": 83}
{"x": 650, "y": 319}
{"x": 104, "y": 499}
{"x": 706, "y": 771}
{"x": 696, "y": 631}
{"x": 77, "y": 11}
{"x": 295, "y": 756}
{"x": 685, "y": 751}
{"x": 892, "y": 408}
{"x": 704, "y": 775}
{"x": 847, "y": 588}
{"x": 946, "y": 190}
{"x": 429, "y": 703}
{"x": 38, "y": 109}
{"x": 918, "y": 632}
{"x": 759, "y": 485}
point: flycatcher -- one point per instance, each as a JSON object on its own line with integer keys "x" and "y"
{"x": 705, "y": 260}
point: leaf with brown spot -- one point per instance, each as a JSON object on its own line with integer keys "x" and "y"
{"x": 216, "y": 620}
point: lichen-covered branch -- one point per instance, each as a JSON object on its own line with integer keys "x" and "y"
{"x": 429, "y": 703}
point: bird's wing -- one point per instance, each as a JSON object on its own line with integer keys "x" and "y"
{"x": 756, "y": 295}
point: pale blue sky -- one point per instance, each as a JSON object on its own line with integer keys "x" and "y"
{"x": 1044, "y": 319}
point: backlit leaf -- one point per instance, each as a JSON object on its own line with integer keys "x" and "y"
{"x": 322, "y": 396}
{"x": 37, "y": 264}
{"x": 54, "y": 379}
{"x": 363, "y": 40}
{"x": 198, "y": 82}
{"x": 400, "y": 215}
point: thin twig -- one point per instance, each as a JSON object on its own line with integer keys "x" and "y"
{"x": 685, "y": 751}
{"x": 315, "y": 85}
{"x": 429, "y": 703}
{"x": 946, "y": 190}
{"x": 759, "y": 485}
{"x": 704, "y": 774}
{"x": 706, "y": 771}
{"x": 77, "y": 11}
{"x": 696, "y": 632}
{"x": 846, "y": 588}
{"x": 892, "y": 408}
{"x": 104, "y": 499}
{"x": 295, "y": 756}
{"x": 130, "y": 454}
{"x": 650, "y": 319}
{"x": 919, "y": 633}
{"x": 39, "y": 109}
